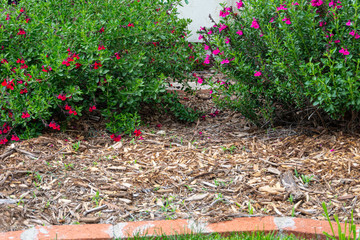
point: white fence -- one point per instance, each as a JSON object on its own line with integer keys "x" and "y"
{"x": 198, "y": 11}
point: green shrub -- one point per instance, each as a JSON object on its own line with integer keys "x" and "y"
{"x": 290, "y": 56}
{"x": 61, "y": 59}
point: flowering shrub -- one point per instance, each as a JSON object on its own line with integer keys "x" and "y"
{"x": 61, "y": 59}
{"x": 288, "y": 55}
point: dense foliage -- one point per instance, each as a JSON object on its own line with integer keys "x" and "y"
{"x": 292, "y": 55}
{"x": 60, "y": 59}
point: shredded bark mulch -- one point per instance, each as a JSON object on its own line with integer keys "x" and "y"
{"x": 216, "y": 169}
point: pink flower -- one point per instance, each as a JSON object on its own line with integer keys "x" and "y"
{"x": 282, "y": 7}
{"x": 272, "y": 20}
{"x": 209, "y": 32}
{"x": 240, "y": 32}
{"x": 227, "y": 40}
{"x": 316, "y": 3}
{"x": 225, "y": 61}
{"x": 216, "y": 52}
{"x": 222, "y": 27}
{"x": 257, "y": 73}
{"x": 344, "y": 51}
{"x": 336, "y": 41}
{"x": 348, "y": 23}
{"x": 200, "y": 37}
{"x": 352, "y": 33}
{"x": 286, "y": 20}
{"x": 200, "y": 80}
{"x": 207, "y": 59}
{"x": 224, "y": 14}
{"x": 295, "y": 3}
{"x": 357, "y": 36}
{"x": 206, "y": 47}
{"x": 239, "y": 4}
{"x": 254, "y": 24}
{"x": 200, "y": 133}
{"x": 322, "y": 24}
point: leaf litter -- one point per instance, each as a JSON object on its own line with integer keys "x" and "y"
{"x": 213, "y": 170}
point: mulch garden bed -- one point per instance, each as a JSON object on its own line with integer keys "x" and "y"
{"x": 219, "y": 168}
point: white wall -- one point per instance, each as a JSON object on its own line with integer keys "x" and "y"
{"x": 198, "y": 11}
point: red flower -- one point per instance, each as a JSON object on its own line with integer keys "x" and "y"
{"x": 101, "y": 47}
{"x": 137, "y": 132}
{"x": 4, "y": 61}
{"x": 7, "y": 17}
{"x": 24, "y": 66}
{"x": 78, "y": 65}
{"x": 92, "y": 108}
{"x": 97, "y": 65}
{"x": 21, "y": 10}
{"x": 54, "y": 125}
{"x": 3, "y": 141}
{"x": 117, "y": 56}
{"x": 9, "y": 85}
{"x": 62, "y": 97}
{"x": 27, "y": 20}
{"x": 21, "y": 32}
{"x": 25, "y": 115}
{"x": 115, "y": 138}
{"x": 101, "y": 30}
{"x": 23, "y": 91}
{"x": 46, "y": 70}
{"x": 155, "y": 43}
{"x": 65, "y": 63}
{"x": 14, "y": 138}
{"x": 20, "y": 60}
{"x": 130, "y": 25}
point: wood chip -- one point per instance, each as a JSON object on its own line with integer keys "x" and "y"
{"x": 197, "y": 197}
{"x": 89, "y": 219}
{"x": 290, "y": 185}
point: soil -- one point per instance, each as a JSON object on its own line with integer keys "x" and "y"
{"x": 216, "y": 169}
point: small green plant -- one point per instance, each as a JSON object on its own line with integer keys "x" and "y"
{"x": 219, "y": 196}
{"x": 250, "y": 208}
{"x": 189, "y": 188}
{"x": 230, "y": 149}
{"x": 296, "y": 173}
{"x": 68, "y": 166}
{"x": 291, "y": 199}
{"x": 96, "y": 198}
{"x": 351, "y": 234}
{"x": 293, "y": 211}
{"x": 38, "y": 177}
{"x": 76, "y": 146}
{"x": 306, "y": 179}
{"x": 168, "y": 204}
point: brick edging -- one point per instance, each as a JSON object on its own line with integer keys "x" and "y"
{"x": 298, "y": 226}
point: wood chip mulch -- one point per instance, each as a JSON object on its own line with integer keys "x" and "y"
{"x": 213, "y": 170}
